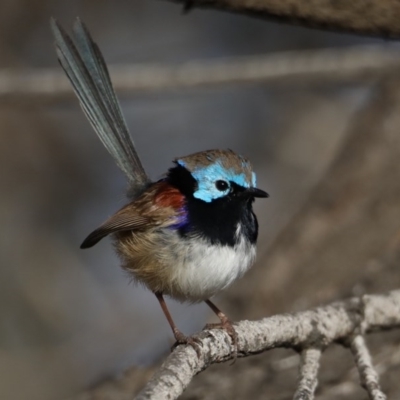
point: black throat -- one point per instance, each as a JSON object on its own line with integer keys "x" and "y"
{"x": 218, "y": 220}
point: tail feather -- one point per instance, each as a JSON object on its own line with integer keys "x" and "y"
{"x": 87, "y": 71}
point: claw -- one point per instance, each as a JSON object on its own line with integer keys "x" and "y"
{"x": 227, "y": 325}
{"x": 193, "y": 341}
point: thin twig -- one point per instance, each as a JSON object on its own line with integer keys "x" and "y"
{"x": 358, "y": 63}
{"x": 308, "y": 381}
{"x": 316, "y": 328}
{"x": 368, "y": 375}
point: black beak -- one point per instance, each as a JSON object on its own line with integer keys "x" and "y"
{"x": 248, "y": 192}
{"x": 254, "y": 192}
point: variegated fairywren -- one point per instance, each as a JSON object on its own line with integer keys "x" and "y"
{"x": 188, "y": 235}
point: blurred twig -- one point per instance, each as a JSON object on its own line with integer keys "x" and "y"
{"x": 375, "y": 17}
{"x": 357, "y": 63}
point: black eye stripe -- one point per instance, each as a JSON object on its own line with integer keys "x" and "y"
{"x": 221, "y": 185}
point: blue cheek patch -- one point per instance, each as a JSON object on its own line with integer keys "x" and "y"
{"x": 207, "y": 176}
{"x": 253, "y": 179}
{"x": 207, "y": 191}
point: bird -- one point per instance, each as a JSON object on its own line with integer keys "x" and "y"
{"x": 188, "y": 235}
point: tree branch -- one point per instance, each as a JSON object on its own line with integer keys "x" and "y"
{"x": 309, "y": 367}
{"x": 368, "y": 375}
{"x": 372, "y": 17}
{"x": 317, "y": 328}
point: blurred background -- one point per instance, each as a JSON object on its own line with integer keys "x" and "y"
{"x": 70, "y": 318}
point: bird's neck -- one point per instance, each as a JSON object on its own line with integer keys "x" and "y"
{"x": 221, "y": 221}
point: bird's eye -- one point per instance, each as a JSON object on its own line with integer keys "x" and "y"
{"x": 221, "y": 185}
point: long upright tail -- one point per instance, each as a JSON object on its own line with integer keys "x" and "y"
{"x": 86, "y": 69}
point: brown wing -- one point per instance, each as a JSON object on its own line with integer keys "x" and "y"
{"x": 155, "y": 207}
{"x": 124, "y": 220}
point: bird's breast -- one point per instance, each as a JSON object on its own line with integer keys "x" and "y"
{"x": 206, "y": 269}
{"x": 190, "y": 268}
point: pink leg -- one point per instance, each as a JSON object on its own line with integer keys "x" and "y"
{"x": 179, "y": 336}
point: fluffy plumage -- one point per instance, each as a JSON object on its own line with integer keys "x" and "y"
{"x": 170, "y": 252}
{"x": 189, "y": 269}
{"x": 175, "y": 252}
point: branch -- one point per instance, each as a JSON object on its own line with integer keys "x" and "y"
{"x": 317, "y": 328}
{"x": 368, "y": 375}
{"x": 373, "y": 17}
{"x": 309, "y": 367}
{"x": 357, "y": 64}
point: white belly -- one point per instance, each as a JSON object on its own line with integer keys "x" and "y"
{"x": 202, "y": 270}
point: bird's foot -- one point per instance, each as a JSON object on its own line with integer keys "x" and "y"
{"x": 227, "y": 325}
{"x": 193, "y": 341}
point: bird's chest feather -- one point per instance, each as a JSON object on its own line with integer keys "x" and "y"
{"x": 205, "y": 269}
{"x": 185, "y": 268}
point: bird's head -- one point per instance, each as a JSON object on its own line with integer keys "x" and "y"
{"x": 215, "y": 174}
